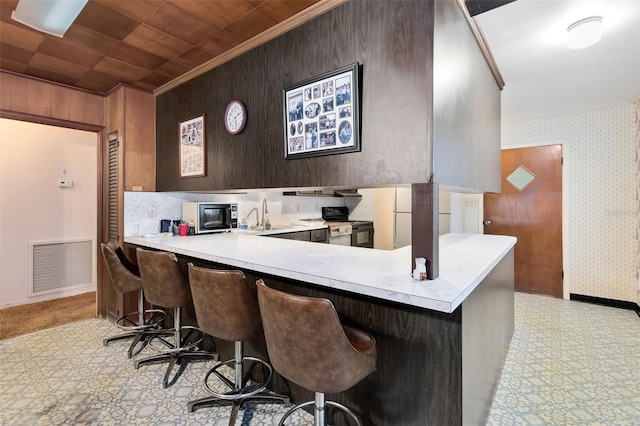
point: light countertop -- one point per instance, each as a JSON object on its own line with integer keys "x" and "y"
{"x": 465, "y": 259}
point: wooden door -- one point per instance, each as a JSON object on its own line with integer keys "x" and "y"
{"x": 530, "y": 208}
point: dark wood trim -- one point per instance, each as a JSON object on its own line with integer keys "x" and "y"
{"x": 605, "y": 302}
{"x": 102, "y": 283}
{"x": 482, "y": 43}
{"x": 39, "y": 119}
{"x": 424, "y": 226}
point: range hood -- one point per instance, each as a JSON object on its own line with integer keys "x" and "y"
{"x": 324, "y": 193}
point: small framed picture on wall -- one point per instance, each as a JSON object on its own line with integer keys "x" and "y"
{"x": 192, "y": 147}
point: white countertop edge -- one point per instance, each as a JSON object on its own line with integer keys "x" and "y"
{"x": 458, "y": 301}
{"x": 382, "y": 281}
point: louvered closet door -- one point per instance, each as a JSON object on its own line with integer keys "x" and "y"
{"x": 112, "y": 214}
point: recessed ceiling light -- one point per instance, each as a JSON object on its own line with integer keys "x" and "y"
{"x": 51, "y": 17}
{"x": 585, "y": 32}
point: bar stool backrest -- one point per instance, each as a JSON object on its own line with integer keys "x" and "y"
{"x": 225, "y": 305}
{"x": 162, "y": 282}
{"x": 124, "y": 275}
{"x": 307, "y": 343}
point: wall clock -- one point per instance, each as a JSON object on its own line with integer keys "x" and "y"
{"x": 235, "y": 117}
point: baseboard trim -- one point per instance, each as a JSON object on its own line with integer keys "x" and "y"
{"x": 606, "y": 302}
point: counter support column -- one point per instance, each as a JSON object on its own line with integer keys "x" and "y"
{"x": 424, "y": 226}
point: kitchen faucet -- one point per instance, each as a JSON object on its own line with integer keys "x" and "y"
{"x": 265, "y": 224}
{"x": 257, "y": 218}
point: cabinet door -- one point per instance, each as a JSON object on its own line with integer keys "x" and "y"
{"x": 319, "y": 235}
{"x": 403, "y": 200}
{"x": 402, "y": 230}
{"x": 300, "y": 236}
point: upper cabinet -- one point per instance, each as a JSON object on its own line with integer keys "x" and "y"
{"x": 131, "y": 113}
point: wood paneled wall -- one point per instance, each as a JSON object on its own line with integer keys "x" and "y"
{"x": 36, "y": 100}
{"x": 131, "y": 112}
{"x": 392, "y": 41}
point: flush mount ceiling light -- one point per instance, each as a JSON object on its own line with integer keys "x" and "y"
{"x": 49, "y": 16}
{"x": 585, "y": 32}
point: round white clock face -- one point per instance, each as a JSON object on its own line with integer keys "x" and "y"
{"x": 235, "y": 117}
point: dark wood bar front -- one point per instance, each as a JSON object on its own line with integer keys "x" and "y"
{"x": 433, "y": 367}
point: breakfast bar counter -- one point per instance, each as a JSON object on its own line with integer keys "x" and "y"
{"x": 441, "y": 343}
{"x": 465, "y": 260}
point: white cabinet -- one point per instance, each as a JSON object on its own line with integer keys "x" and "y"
{"x": 392, "y": 216}
{"x": 403, "y": 200}
{"x": 402, "y": 232}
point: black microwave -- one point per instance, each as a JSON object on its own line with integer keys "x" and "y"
{"x": 210, "y": 217}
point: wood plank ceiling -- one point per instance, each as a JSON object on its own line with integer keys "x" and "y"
{"x": 145, "y": 43}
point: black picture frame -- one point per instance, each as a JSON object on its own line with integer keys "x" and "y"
{"x": 322, "y": 114}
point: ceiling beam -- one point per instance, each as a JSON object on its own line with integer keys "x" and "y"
{"x": 476, "y": 7}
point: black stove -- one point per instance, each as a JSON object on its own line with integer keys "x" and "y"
{"x": 361, "y": 230}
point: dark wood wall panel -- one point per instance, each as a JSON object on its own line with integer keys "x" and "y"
{"x": 419, "y": 375}
{"x": 487, "y": 329}
{"x": 392, "y": 41}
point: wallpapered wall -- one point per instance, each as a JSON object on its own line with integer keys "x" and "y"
{"x": 601, "y": 205}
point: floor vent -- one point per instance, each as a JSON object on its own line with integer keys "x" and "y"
{"x": 56, "y": 266}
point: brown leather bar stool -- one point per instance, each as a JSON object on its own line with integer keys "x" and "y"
{"x": 125, "y": 278}
{"x": 227, "y": 309}
{"x": 165, "y": 286}
{"x": 329, "y": 358}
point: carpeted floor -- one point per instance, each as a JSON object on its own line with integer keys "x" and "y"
{"x": 25, "y": 319}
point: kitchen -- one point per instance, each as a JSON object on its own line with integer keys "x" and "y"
{"x": 147, "y": 224}
{"x": 291, "y": 211}
{"x": 395, "y": 151}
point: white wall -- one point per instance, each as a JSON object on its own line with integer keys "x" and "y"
{"x": 600, "y": 244}
{"x": 33, "y": 207}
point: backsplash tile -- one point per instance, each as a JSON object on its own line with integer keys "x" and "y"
{"x": 282, "y": 209}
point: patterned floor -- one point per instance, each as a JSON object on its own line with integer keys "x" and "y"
{"x": 570, "y": 363}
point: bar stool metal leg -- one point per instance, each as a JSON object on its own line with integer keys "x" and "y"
{"x": 139, "y": 330}
{"x": 180, "y": 349}
{"x": 319, "y": 410}
{"x": 241, "y": 390}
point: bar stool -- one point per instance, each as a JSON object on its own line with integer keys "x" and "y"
{"x": 227, "y": 309}
{"x": 165, "y": 286}
{"x": 125, "y": 278}
{"x": 308, "y": 345}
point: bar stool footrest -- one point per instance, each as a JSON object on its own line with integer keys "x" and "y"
{"x": 152, "y": 319}
{"x": 185, "y": 344}
{"x": 246, "y": 390}
{"x": 327, "y": 403}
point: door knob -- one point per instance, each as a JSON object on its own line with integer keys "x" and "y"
{"x": 487, "y": 222}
